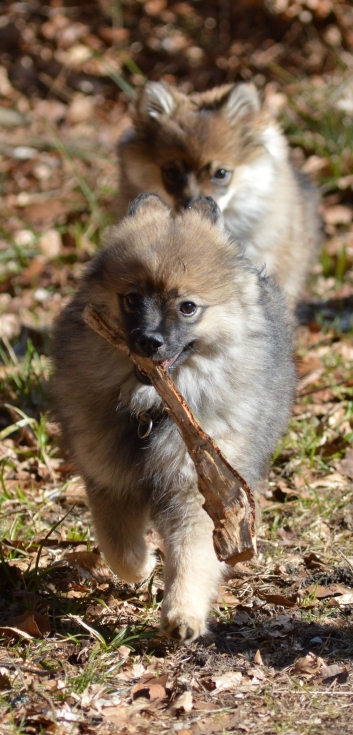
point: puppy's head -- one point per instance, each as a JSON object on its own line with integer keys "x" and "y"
{"x": 167, "y": 278}
{"x": 187, "y": 146}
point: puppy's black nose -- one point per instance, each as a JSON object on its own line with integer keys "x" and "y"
{"x": 149, "y": 344}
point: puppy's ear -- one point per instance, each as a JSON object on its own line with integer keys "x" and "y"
{"x": 147, "y": 202}
{"x": 243, "y": 103}
{"x": 156, "y": 101}
{"x": 207, "y": 207}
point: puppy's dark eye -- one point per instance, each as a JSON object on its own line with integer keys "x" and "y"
{"x": 172, "y": 174}
{"x": 132, "y": 301}
{"x": 188, "y": 308}
{"x": 221, "y": 176}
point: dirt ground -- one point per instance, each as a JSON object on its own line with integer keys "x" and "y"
{"x": 80, "y": 651}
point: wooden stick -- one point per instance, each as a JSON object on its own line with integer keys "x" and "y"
{"x": 228, "y": 498}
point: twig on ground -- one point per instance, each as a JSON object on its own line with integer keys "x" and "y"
{"x": 340, "y": 553}
{"x": 321, "y": 387}
{"x": 41, "y": 545}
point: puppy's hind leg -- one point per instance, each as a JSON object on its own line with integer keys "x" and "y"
{"x": 121, "y": 526}
{"x": 192, "y": 570}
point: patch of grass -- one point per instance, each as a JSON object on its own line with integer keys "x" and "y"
{"x": 336, "y": 265}
{"x": 315, "y": 122}
{"x": 25, "y": 381}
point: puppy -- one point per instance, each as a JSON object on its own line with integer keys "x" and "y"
{"x": 186, "y": 298}
{"x": 224, "y": 144}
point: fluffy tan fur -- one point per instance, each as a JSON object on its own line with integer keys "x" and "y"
{"x": 233, "y": 365}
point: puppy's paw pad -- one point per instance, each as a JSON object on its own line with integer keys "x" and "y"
{"x": 183, "y": 630}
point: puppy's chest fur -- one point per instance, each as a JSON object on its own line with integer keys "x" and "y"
{"x": 150, "y": 448}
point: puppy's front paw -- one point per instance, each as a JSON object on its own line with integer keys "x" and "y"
{"x": 183, "y": 628}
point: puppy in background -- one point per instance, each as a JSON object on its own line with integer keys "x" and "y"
{"x": 186, "y": 298}
{"x": 223, "y": 143}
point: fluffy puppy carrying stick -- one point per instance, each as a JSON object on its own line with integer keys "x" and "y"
{"x": 186, "y": 298}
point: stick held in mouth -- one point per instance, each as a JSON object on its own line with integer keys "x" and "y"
{"x": 228, "y": 498}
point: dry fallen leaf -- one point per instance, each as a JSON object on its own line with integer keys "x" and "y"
{"x": 331, "y": 590}
{"x": 276, "y": 633}
{"x": 312, "y": 561}
{"x": 276, "y": 599}
{"x": 150, "y": 687}
{"x": 123, "y": 652}
{"x": 283, "y": 493}
{"x": 227, "y": 598}
{"x": 81, "y": 107}
{"x": 50, "y": 244}
{"x": 229, "y": 680}
{"x": 92, "y": 692}
{"x": 255, "y": 674}
{"x": 37, "y": 721}
{"x": 183, "y": 702}
{"x": 287, "y": 536}
{"x": 346, "y": 599}
{"x": 345, "y": 466}
{"x": 40, "y": 212}
{"x": 241, "y": 618}
{"x": 338, "y": 214}
{"x": 8, "y": 632}
{"x": 308, "y": 665}
{"x": 130, "y": 672}
{"x": 118, "y": 714}
{"x": 307, "y": 364}
{"x": 90, "y": 565}
{"x": 315, "y": 163}
{"x": 258, "y": 658}
{"x": 202, "y": 706}
{"x": 335, "y": 672}
{"x": 32, "y": 623}
{"x": 319, "y": 529}
{"x": 220, "y": 724}
{"x": 66, "y": 714}
{"x": 75, "y": 492}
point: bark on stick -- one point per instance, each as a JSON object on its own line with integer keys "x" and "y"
{"x": 228, "y": 499}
